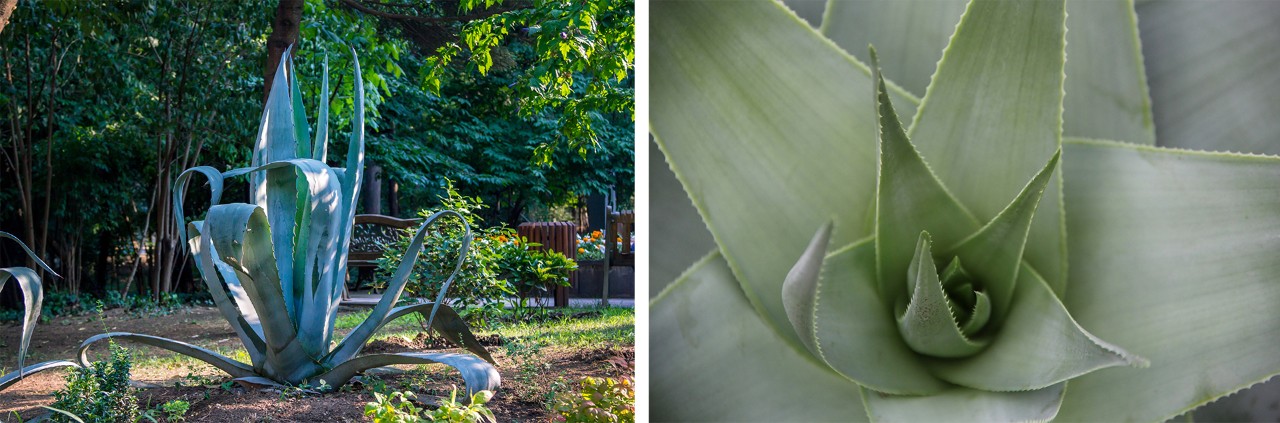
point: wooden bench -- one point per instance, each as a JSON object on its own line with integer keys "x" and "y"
{"x": 369, "y": 238}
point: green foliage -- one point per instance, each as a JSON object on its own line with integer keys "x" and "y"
{"x": 393, "y": 408}
{"x": 175, "y": 410}
{"x": 477, "y": 281}
{"x": 499, "y": 262}
{"x": 452, "y": 411}
{"x": 398, "y": 407}
{"x": 585, "y": 53}
{"x": 100, "y": 392}
{"x": 598, "y": 400}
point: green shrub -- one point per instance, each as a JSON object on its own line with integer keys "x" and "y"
{"x": 477, "y": 282}
{"x": 598, "y": 400}
{"x": 499, "y": 262}
{"x": 100, "y": 392}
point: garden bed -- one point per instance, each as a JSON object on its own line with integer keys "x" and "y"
{"x": 536, "y": 359}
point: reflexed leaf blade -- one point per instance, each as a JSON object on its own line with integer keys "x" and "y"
{"x": 721, "y": 362}
{"x": 1173, "y": 254}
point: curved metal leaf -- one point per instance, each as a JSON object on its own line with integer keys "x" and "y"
{"x": 354, "y": 341}
{"x": 232, "y": 367}
{"x": 32, "y": 297}
{"x": 478, "y": 374}
{"x": 13, "y": 377}
{"x": 447, "y": 323}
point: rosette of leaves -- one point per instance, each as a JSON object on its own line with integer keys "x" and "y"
{"x": 28, "y": 282}
{"x": 965, "y": 247}
{"x": 276, "y": 267}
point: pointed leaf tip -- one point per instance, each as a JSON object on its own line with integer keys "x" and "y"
{"x": 800, "y": 288}
{"x": 926, "y": 320}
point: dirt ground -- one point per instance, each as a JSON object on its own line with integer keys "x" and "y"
{"x": 530, "y": 376}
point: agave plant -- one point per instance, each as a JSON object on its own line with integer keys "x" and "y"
{"x": 954, "y": 290}
{"x": 32, "y": 296}
{"x": 276, "y": 267}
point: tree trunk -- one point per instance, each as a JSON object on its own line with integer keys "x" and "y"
{"x": 6, "y": 12}
{"x": 284, "y": 33}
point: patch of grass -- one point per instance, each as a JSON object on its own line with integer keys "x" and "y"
{"x": 614, "y": 325}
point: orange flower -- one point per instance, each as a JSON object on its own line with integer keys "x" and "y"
{"x": 595, "y": 233}
{"x": 582, "y": 250}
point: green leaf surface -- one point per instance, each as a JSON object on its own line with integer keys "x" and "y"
{"x": 716, "y": 360}
{"x": 675, "y": 219}
{"x": 994, "y": 254}
{"x": 1173, "y": 256}
{"x": 959, "y": 404}
{"x": 857, "y": 332}
{"x": 987, "y": 122}
{"x": 910, "y": 34}
{"x": 927, "y": 322}
{"x": 1038, "y": 346}
{"x": 800, "y": 288}
{"x": 762, "y": 114}
{"x": 1212, "y": 68}
{"x": 1106, "y": 84}
{"x": 910, "y": 199}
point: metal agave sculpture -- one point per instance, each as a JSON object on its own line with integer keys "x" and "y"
{"x": 32, "y": 296}
{"x": 276, "y": 267}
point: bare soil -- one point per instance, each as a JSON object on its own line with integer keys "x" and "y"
{"x": 531, "y": 375}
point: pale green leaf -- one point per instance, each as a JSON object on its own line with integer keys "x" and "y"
{"x": 994, "y": 254}
{"x": 1173, "y": 255}
{"x": 959, "y": 404}
{"x": 910, "y": 34}
{"x": 927, "y": 322}
{"x": 1039, "y": 345}
{"x": 446, "y": 323}
{"x": 910, "y": 199}
{"x": 857, "y": 332}
{"x": 800, "y": 288}
{"x": 987, "y": 123}
{"x": 719, "y": 361}
{"x": 1106, "y": 84}
{"x": 1212, "y": 67}
{"x": 761, "y": 114}
{"x": 674, "y": 219}
{"x": 1106, "y": 88}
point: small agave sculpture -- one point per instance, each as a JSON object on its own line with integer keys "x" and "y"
{"x": 276, "y": 267}
{"x": 32, "y": 296}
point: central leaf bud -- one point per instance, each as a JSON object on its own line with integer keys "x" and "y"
{"x": 945, "y": 313}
